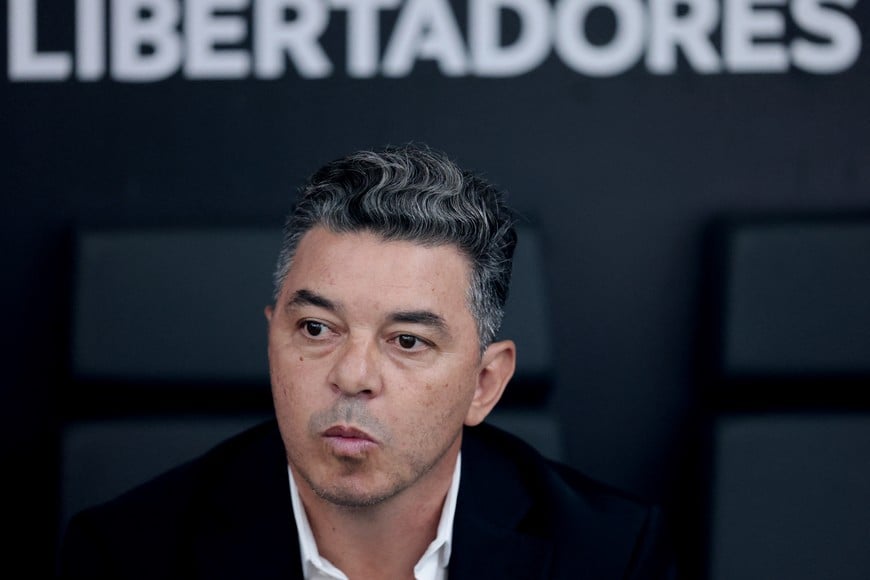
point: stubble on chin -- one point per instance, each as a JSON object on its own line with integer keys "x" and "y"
{"x": 349, "y": 412}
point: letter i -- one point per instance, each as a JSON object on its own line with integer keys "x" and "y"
{"x": 90, "y": 39}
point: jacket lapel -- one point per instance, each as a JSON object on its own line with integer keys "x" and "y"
{"x": 516, "y": 517}
{"x": 488, "y": 536}
{"x": 484, "y": 550}
{"x": 249, "y": 530}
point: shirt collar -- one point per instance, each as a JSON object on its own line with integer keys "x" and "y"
{"x": 441, "y": 546}
{"x": 431, "y": 565}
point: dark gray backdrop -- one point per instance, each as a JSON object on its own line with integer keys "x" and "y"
{"x": 621, "y": 174}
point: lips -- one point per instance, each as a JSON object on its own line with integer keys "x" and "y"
{"x": 349, "y": 442}
{"x": 348, "y": 433}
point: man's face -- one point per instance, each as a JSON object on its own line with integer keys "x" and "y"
{"x": 375, "y": 363}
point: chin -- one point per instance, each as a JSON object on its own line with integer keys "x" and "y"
{"x": 354, "y": 498}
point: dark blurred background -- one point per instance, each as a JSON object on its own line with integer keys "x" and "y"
{"x": 623, "y": 151}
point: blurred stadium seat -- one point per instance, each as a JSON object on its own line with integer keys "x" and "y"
{"x": 789, "y": 494}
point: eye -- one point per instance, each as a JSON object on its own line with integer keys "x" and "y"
{"x": 410, "y": 342}
{"x": 314, "y": 329}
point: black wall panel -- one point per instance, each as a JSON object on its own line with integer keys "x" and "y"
{"x": 621, "y": 172}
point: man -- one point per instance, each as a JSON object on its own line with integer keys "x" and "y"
{"x": 389, "y": 291}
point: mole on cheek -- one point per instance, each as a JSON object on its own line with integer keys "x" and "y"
{"x": 301, "y": 359}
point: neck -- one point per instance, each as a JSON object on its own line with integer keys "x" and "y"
{"x": 384, "y": 540}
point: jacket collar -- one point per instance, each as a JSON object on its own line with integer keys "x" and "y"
{"x": 489, "y": 539}
{"x": 249, "y": 530}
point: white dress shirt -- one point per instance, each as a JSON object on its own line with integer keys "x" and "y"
{"x": 431, "y": 566}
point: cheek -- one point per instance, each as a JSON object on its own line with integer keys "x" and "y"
{"x": 432, "y": 419}
{"x": 294, "y": 381}
{"x": 441, "y": 402}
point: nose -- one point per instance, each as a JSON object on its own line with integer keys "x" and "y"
{"x": 356, "y": 369}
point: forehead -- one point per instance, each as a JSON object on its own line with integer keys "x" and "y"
{"x": 362, "y": 263}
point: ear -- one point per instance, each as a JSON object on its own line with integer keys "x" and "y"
{"x": 269, "y": 311}
{"x": 496, "y": 369}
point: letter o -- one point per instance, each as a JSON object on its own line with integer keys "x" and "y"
{"x": 618, "y": 55}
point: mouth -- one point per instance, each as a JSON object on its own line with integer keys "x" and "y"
{"x": 349, "y": 441}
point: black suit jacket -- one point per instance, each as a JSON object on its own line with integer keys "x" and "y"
{"x": 228, "y": 515}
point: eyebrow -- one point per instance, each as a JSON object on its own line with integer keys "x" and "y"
{"x": 423, "y": 317}
{"x": 306, "y": 297}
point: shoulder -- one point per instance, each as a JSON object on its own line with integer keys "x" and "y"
{"x": 506, "y": 454}
{"x": 147, "y": 530}
{"x": 175, "y": 489}
{"x": 587, "y": 524}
